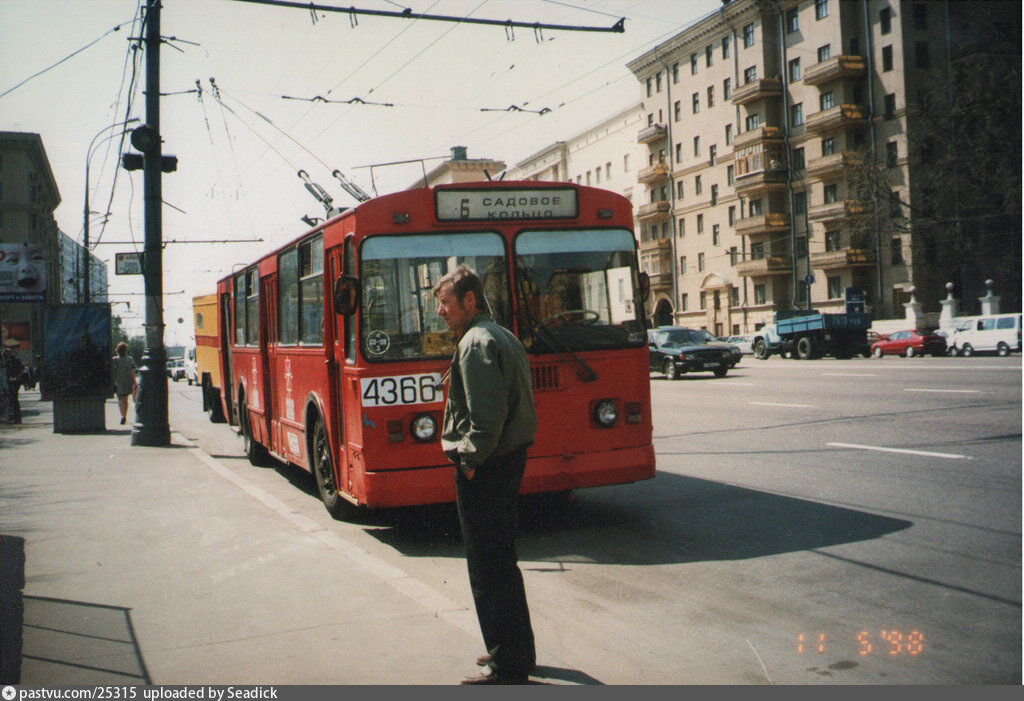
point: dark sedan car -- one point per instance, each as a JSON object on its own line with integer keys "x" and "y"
{"x": 909, "y": 343}
{"x": 675, "y": 351}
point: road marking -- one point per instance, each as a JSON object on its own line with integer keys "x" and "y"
{"x": 953, "y": 391}
{"x": 848, "y": 374}
{"x": 923, "y": 453}
{"x": 798, "y": 406}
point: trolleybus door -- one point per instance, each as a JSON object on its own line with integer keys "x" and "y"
{"x": 267, "y": 395}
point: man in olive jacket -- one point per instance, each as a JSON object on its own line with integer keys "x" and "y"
{"x": 489, "y": 422}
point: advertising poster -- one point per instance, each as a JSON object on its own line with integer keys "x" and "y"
{"x": 16, "y": 335}
{"x": 76, "y": 352}
{"x": 22, "y": 272}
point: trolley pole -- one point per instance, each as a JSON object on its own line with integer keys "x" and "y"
{"x": 151, "y": 426}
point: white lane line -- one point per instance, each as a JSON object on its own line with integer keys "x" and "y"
{"x": 904, "y": 451}
{"x": 948, "y": 391}
{"x": 848, "y": 374}
{"x": 798, "y": 406}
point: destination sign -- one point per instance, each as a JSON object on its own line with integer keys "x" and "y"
{"x": 512, "y": 203}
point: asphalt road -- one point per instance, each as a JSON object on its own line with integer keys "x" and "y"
{"x": 812, "y": 522}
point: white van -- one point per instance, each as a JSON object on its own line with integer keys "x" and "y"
{"x": 190, "y": 366}
{"x": 999, "y": 333}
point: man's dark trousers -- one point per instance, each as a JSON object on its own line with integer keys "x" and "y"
{"x": 487, "y": 515}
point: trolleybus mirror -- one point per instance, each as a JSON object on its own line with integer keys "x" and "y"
{"x": 645, "y": 286}
{"x": 346, "y": 295}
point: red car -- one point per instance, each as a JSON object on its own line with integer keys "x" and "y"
{"x": 909, "y": 343}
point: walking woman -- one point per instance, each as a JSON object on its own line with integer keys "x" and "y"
{"x": 124, "y": 379}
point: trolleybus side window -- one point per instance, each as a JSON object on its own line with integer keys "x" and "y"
{"x": 247, "y": 307}
{"x": 348, "y": 267}
{"x": 578, "y": 290}
{"x": 300, "y": 293}
{"x": 399, "y": 317}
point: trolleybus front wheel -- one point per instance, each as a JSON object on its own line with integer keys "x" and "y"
{"x": 323, "y": 472}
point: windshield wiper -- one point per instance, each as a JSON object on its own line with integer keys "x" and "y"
{"x": 582, "y": 370}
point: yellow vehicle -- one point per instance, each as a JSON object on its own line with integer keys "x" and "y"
{"x": 208, "y": 373}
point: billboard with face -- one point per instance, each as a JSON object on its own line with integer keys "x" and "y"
{"x": 22, "y": 272}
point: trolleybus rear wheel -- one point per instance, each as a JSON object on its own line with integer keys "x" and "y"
{"x": 256, "y": 453}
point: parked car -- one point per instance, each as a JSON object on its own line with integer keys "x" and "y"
{"x": 999, "y": 333}
{"x": 744, "y": 343}
{"x": 674, "y": 351}
{"x": 909, "y": 343}
{"x": 191, "y": 371}
{"x": 176, "y": 368}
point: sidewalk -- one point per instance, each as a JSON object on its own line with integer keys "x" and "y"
{"x": 151, "y": 566}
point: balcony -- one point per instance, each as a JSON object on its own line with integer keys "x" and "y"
{"x": 762, "y": 224}
{"x": 653, "y": 210}
{"x": 660, "y": 281}
{"x": 651, "y": 134}
{"x": 656, "y": 246}
{"x": 774, "y": 264}
{"x": 830, "y": 165}
{"x": 834, "y": 210}
{"x": 757, "y": 90}
{"x": 835, "y": 68}
{"x": 653, "y": 174}
{"x": 843, "y": 258}
{"x": 761, "y": 181}
{"x": 840, "y": 117}
{"x": 755, "y": 136}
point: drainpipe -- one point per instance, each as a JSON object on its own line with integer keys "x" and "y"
{"x": 671, "y": 184}
{"x": 871, "y": 122}
{"x": 736, "y": 109}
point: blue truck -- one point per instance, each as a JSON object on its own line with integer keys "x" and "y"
{"x": 810, "y": 334}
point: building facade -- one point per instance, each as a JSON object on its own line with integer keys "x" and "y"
{"x": 29, "y": 246}
{"x": 72, "y": 273}
{"x": 460, "y": 169}
{"x": 784, "y": 144}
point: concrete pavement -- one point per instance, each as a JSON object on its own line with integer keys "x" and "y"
{"x": 159, "y": 566}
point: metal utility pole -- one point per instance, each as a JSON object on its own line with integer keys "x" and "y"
{"x": 151, "y": 426}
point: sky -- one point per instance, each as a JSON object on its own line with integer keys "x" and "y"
{"x": 425, "y": 86}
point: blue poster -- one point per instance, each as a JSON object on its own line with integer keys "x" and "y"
{"x": 76, "y": 354}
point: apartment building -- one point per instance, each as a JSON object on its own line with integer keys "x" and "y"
{"x": 786, "y": 159}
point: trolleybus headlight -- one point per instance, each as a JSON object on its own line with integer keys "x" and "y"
{"x": 424, "y": 428}
{"x": 606, "y": 413}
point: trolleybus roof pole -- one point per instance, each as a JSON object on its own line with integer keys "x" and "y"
{"x": 151, "y": 426}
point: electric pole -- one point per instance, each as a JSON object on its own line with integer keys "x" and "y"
{"x": 151, "y": 426}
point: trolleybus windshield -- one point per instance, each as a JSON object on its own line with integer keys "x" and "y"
{"x": 578, "y": 290}
{"x": 399, "y": 312}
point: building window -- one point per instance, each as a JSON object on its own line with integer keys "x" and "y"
{"x": 891, "y": 154}
{"x": 796, "y": 159}
{"x": 732, "y": 215}
{"x": 890, "y": 106}
{"x": 824, "y": 53}
{"x": 820, "y": 9}
{"x": 684, "y": 302}
{"x": 725, "y": 47}
{"x": 712, "y": 153}
{"x": 896, "y": 250}
{"x": 700, "y": 262}
{"x": 759, "y": 296}
{"x": 696, "y": 103}
{"x": 757, "y": 251}
{"x": 650, "y": 88}
{"x": 799, "y": 203}
{"x": 922, "y": 59}
{"x": 682, "y": 265}
{"x": 650, "y": 119}
{"x": 792, "y": 21}
{"x": 832, "y": 241}
{"x": 677, "y": 111}
{"x": 887, "y": 58}
{"x": 693, "y": 64}
{"x": 716, "y": 230}
{"x": 588, "y": 177}
{"x": 749, "y": 74}
{"x": 714, "y": 195}
{"x": 697, "y": 185}
{"x": 728, "y": 134}
{"x": 597, "y": 175}
{"x": 682, "y": 227}
{"x": 679, "y": 190}
{"x": 730, "y": 175}
{"x": 835, "y": 287}
{"x": 700, "y": 223}
{"x": 625, "y": 163}
{"x": 679, "y": 153}
{"x": 748, "y": 36}
{"x": 796, "y": 114}
{"x": 696, "y": 146}
{"x": 827, "y": 100}
{"x": 754, "y": 208}
{"x": 733, "y": 257}
{"x": 831, "y": 193}
{"x": 885, "y": 20}
{"x": 920, "y": 17}
{"x": 753, "y": 121}
{"x": 727, "y": 88}
{"x": 794, "y": 70}
{"x": 828, "y": 146}
{"x": 709, "y": 55}
{"x": 711, "y": 96}
{"x": 607, "y": 171}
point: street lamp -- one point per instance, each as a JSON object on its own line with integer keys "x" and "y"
{"x": 85, "y": 211}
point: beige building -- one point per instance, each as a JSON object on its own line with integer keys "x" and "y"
{"x": 783, "y": 156}
{"x": 30, "y": 271}
{"x": 460, "y": 169}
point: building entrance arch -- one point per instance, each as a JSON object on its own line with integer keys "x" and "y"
{"x": 662, "y": 314}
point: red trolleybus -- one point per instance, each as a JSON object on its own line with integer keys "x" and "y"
{"x": 333, "y": 355}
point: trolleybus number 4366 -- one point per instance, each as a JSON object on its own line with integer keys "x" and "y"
{"x": 404, "y": 389}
